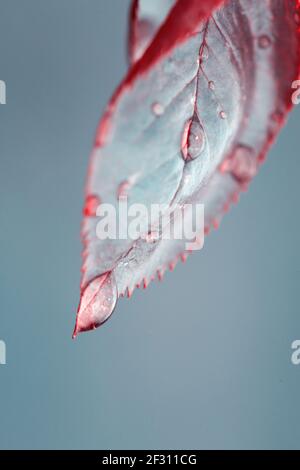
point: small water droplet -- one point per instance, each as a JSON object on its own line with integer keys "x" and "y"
{"x": 193, "y": 140}
{"x": 223, "y": 115}
{"x": 211, "y": 85}
{"x": 158, "y": 109}
{"x": 92, "y": 202}
{"x": 264, "y": 41}
{"x": 241, "y": 164}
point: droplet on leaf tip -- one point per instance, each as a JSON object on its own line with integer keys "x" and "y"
{"x": 97, "y": 303}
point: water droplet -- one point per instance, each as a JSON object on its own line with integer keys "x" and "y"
{"x": 92, "y": 202}
{"x": 193, "y": 140}
{"x": 211, "y": 85}
{"x": 264, "y": 41}
{"x": 223, "y": 115}
{"x": 158, "y": 109}
{"x": 297, "y": 18}
{"x": 241, "y": 164}
{"x": 97, "y": 303}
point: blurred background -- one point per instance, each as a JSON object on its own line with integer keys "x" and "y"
{"x": 201, "y": 361}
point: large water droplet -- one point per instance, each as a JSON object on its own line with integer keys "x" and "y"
{"x": 92, "y": 202}
{"x": 264, "y": 41}
{"x": 193, "y": 140}
{"x": 97, "y": 303}
{"x": 158, "y": 109}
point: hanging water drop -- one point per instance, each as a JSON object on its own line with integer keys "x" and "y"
{"x": 193, "y": 140}
{"x": 97, "y": 303}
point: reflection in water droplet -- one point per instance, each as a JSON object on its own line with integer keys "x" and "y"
{"x": 97, "y": 303}
{"x": 158, "y": 109}
{"x": 223, "y": 115}
{"x": 241, "y": 164}
{"x": 91, "y": 204}
{"x": 211, "y": 85}
{"x": 264, "y": 41}
{"x": 193, "y": 140}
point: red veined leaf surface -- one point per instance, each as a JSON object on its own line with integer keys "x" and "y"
{"x": 205, "y": 97}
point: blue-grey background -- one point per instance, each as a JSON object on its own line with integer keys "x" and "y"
{"x": 202, "y": 360}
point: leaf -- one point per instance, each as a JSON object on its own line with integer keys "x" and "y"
{"x": 145, "y": 20}
{"x": 208, "y": 91}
